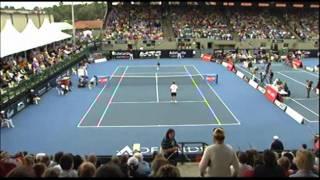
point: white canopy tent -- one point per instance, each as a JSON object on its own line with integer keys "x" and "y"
{"x": 10, "y": 40}
{"x": 13, "y": 42}
{"x": 51, "y": 33}
{"x": 62, "y": 25}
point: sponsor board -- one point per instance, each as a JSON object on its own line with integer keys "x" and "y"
{"x": 149, "y": 54}
{"x": 240, "y": 74}
{"x": 152, "y": 54}
{"x": 294, "y": 114}
{"x": 280, "y": 105}
{"x": 149, "y": 150}
{"x": 253, "y": 83}
{"x": 261, "y": 89}
{"x": 120, "y": 54}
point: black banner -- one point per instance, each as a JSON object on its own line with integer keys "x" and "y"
{"x": 145, "y": 54}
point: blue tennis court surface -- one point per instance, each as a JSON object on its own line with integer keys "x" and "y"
{"x": 135, "y": 107}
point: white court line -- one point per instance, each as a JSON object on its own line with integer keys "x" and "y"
{"x": 300, "y": 71}
{"x": 83, "y": 117}
{"x": 157, "y": 88}
{"x": 306, "y": 99}
{"x": 220, "y": 99}
{"x": 158, "y": 73}
{"x": 292, "y": 79}
{"x": 305, "y": 107}
{"x": 312, "y": 74}
{"x": 243, "y": 69}
{"x": 156, "y": 65}
{"x": 114, "y": 92}
{"x": 198, "y": 71}
{"x": 154, "y": 102}
{"x": 161, "y": 125}
{"x": 203, "y": 97}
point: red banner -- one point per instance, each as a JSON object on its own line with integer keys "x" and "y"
{"x": 103, "y": 80}
{"x": 271, "y": 93}
{"x": 206, "y": 57}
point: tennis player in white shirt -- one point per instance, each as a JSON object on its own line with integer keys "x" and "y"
{"x": 173, "y": 89}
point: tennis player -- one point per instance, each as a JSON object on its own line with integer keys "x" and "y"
{"x": 173, "y": 89}
{"x": 158, "y": 66}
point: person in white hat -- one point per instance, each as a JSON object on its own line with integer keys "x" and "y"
{"x": 276, "y": 145}
{"x": 5, "y": 121}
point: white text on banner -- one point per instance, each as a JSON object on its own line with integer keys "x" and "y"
{"x": 253, "y": 83}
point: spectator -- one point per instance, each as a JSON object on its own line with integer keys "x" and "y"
{"x": 66, "y": 163}
{"x": 123, "y": 164}
{"x": 284, "y": 163}
{"x": 304, "y": 161}
{"x": 4, "y": 121}
{"x": 51, "y": 173}
{"x": 115, "y": 160}
{"x": 77, "y": 159}
{"x": 245, "y": 170}
{"x": 270, "y": 168}
{"x": 304, "y": 146}
{"x": 39, "y": 169}
{"x": 219, "y": 157}
{"x": 170, "y": 147}
{"x": 290, "y": 156}
{"x": 133, "y": 165}
{"x": 56, "y": 160}
{"x": 34, "y": 98}
{"x": 28, "y": 160}
{"x": 86, "y": 169}
{"x": 45, "y": 160}
{"x": 157, "y": 162}
{"x": 276, "y": 145}
{"x": 109, "y": 170}
{"x": 168, "y": 171}
{"x": 93, "y": 159}
{"x": 21, "y": 172}
{"x": 144, "y": 167}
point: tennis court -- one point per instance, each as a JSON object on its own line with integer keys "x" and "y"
{"x": 127, "y": 110}
{"x": 139, "y": 96}
{"x": 296, "y": 81}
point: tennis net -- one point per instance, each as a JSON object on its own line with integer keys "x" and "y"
{"x": 162, "y": 79}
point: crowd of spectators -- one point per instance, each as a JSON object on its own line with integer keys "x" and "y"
{"x": 134, "y": 23}
{"x": 191, "y": 22}
{"x": 305, "y": 25}
{"x": 218, "y": 160}
{"x": 17, "y": 68}
{"x": 258, "y": 25}
{"x": 140, "y": 22}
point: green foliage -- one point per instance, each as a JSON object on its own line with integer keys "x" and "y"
{"x": 90, "y": 11}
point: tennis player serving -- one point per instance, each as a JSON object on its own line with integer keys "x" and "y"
{"x": 173, "y": 89}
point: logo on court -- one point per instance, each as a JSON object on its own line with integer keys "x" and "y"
{"x": 125, "y": 150}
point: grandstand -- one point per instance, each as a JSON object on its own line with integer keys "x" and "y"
{"x": 100, "y": 104}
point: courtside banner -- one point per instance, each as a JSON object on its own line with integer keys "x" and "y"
{"x": 146, "y": 54}
{"x": 120, "y": 54}
{"x": 240, "y": 74}
{"x": 271, "y": 93}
